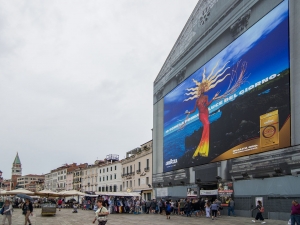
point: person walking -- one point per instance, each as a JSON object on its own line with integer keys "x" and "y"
{"x": 295, "y": 213}
{"x": 214, "y": 210}
{"x": 207, "y": 209}
{"x": 231, "y": 207}
{"x": 260, "y": 209}
{"x": 101, "y": 214}
{"x": 7, "y": 212}
{"x": 168, "y": 209}
{"x": 27, "y": 211}
{"x": 59, "y": 204}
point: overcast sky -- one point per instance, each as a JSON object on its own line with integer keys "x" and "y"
{"x": 76, "y": 77}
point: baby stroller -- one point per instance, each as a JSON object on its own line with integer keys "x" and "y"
{"x": 74, "y": 209}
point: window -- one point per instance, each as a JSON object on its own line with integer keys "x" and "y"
{"x": 120, "y": 187}
{"x": 115, "y": 167}
{"x": 130, "y": 169}
{"x": 139, "y": 182}
{"x": 106, "y": 188}
{"x": 65, "y": 177}
{"x": 123, "y": 184}
{"x": 123, "y": 171}
{"x": 127, "y": 170}
{"x": 147, "y": 180}
{"x": 110, "y": 177}
{"x": 100, "y": 170}
{"x": 99, "y": 189}
{"x": 103, "y": 178}
{"x": 115, "y": 176}
{"x": 149, "y": 196}
{"x": 131, "y": 183}
{"x": 107, "y": 169}
{"x": 103, "y": 170}
{"x": 106, "y": 177}
{"x": 100, "y": 179}
{"x": 103, "y": 189}
{"x": 127, "y": 184}
{"x": 139, "y": 167}
{"x": 111, "y": 168}
{"x": 115, "y": 188}
{"x": 147, "y": 163}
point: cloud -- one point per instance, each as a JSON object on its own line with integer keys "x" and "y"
{"x": 76, "y": 80}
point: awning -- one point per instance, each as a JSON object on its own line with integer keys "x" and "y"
{"x": 121, "y": 194}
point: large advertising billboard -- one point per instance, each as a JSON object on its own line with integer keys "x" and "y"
{"x": 237, "y": 104}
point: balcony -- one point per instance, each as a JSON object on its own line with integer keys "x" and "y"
{"x": 138, "y": 171}
{"x": 147, "y": 169}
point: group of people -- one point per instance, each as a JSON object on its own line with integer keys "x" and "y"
{"x": 7, "y": 211}
{"x": 184, "y": 207}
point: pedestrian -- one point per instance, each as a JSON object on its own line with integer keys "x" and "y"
{"x": 188, "y": 208}
{"x": 202, "y": 207}
{"x": 168, "y": 209}
{"x": 59, "y": 204}
{"x": 101, "y": 214}
{"x": 27, "y": 210}
{"x": 295, "y": 213}
{"x": 137, "y": 206}
{"x": 218, "y": 202}
{"x": 214, "y": 210}
{"x": 207, "y": 209}
{"x": 153, "y": 206}
{"x": 182, "y": 203}
{"x": 231, "y": 207}
{"x": 260, "y": 209}
{"x": 148, "y": 205}
{"x": 7, "y": 212}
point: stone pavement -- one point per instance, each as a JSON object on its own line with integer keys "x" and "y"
{"x": 66, "y": 217}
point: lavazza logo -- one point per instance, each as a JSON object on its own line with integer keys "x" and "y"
{"x": 171, "y": 162}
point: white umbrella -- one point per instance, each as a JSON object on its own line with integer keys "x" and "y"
{"x": 20, "y": 191}
{"x": 3, "y": 192}
{"x": 73, "y": 193}
{"x": 47, "y": 193}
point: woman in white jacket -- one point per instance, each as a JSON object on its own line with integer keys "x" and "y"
{"x": 7, "y": 213}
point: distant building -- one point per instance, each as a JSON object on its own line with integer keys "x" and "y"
{"x": 137, "y": 171}
{"x": 16, "y": 172}
{"x": 24, "y": 181}
{"x": 62, "y": 178}
{"x": 109, "y": 171}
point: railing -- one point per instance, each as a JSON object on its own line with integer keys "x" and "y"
{"x": 147, "y": 169}
{"x": 138, "y": 171}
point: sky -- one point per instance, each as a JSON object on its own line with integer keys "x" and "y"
{"x": 76, "y": 77}
{"x": 265, "y": 49}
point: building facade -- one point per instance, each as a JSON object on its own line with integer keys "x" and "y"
{"x": 89, "y": 178}
{"x": 109, "y": 174}
{"x": 24, "y": 181}
{"x": 62, "y": 178}
{"x": 137, "y": 171}
{"x": 226, "y": 106}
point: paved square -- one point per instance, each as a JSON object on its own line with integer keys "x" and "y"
{"x": 66, "y": 217}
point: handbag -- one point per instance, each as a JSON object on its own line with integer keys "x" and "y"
{"x": 2, "y": 211}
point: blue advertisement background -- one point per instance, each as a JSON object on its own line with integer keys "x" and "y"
{"x": 265, "y": 49}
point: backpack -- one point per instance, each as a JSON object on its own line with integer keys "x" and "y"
{"x": 168, "y": 207}
{"x": 262, "y": 209}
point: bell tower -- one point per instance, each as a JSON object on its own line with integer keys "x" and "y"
{"x": 16, "y": 171}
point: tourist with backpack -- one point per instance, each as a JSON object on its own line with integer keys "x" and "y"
{"x": 168, "y": 209}
{"x": 260, "y": 209}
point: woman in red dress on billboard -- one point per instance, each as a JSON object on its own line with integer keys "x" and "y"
{"x": 202, "y": 102}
